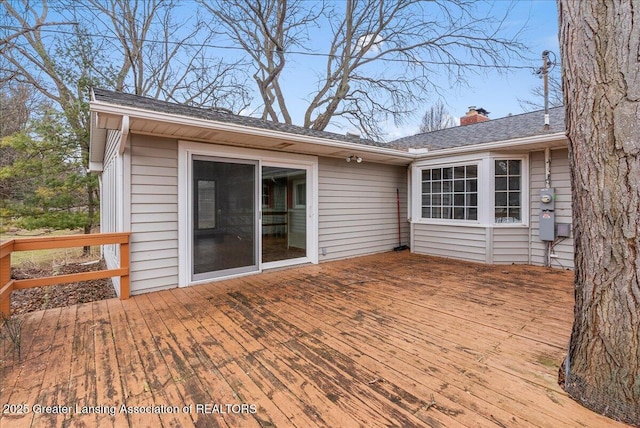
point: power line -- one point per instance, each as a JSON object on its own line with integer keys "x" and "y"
{"x": 240, "y": 49}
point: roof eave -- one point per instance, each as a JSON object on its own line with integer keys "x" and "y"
{"x": 522, "y": 143}
{"x": 119, "y": 110}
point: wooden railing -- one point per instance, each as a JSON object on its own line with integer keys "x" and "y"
{"x": 7, "y": 285}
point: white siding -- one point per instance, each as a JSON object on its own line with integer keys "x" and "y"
{"x": 357, "y": 208}
{"x": 154, "y": 214}
{"x": 110, "y": 187}
{"x": 561, "y": 181}
{"x": 459, "y": 242}
{"x": 510, "y": 245}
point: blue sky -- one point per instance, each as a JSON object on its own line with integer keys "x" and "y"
{"x": 494, "y": 91}
{"x": 499, "y": 93}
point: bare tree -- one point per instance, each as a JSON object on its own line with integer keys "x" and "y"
{"x": 436, "y": 118}
{"x": 267, "y": 30}
{"x": 16, "y": 105}
{"x": 135, "y": 46}
{"x": 30, "y": 58}
{"x": 599, "y": 43}
{"x": 536, "y": 100}
{"x": 158, "y": 53}
{"x": 380, "y": 58}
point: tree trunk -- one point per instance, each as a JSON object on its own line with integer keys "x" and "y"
{"x": 91, "y": 206}
{"x": 600, "y": 43}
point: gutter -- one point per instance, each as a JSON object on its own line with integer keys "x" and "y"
{"x": 118, "y": 110}
{"x": 411, "y": 155}
{"x": 494, "y": 145}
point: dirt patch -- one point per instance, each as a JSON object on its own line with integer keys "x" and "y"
{"x": 55, "y": 296}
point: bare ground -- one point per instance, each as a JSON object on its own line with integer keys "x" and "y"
{"x": 55, "y": 296}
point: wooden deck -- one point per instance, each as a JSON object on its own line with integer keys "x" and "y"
{"x": 388, "y": 340}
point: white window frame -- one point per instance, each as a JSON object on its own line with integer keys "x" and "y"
{"x": 297, "y": 183}
{"x": 452, "y": 192}
{"x": 486, "y": 188}
{"x": 188, "y": 149}
{"x": 507, "y": 191}
{"x": 524, "y": 188}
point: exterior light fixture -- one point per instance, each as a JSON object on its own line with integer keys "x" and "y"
{"x": 358, "y": 159}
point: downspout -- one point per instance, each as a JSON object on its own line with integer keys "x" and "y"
{"x": 547, "y": 167}
{"x": 547, "y": 151}
{"x": 100, "y": 184}
{"x": 410, "y": 203}
{"x": 124, "y": 134}
{"x": 547, "y": 184}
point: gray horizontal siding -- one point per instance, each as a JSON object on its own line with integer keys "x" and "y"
{"x": 154, "y": 214}
{"x": 510, "y": 245}
{"x": 460, "y": 242}
{"x": 357, "y": 208}
{"x": 561, "y": 181}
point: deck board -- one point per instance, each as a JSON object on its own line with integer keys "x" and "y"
{"x": 394, "y": 339}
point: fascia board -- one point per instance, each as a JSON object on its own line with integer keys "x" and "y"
{"x": 102, "y": 107}
{"x": 514, "y": 143}
{"x": 97, "y": 142}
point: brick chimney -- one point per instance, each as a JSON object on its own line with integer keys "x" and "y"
{"x": 474, "y": 115}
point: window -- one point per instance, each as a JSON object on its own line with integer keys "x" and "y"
{"x": 299, "y": 194}
{"x": 481, "y": 190}
{"x": 450, "y": 193}
{"x": 206, "y": 204}
{"x": 508, "y": 185}
{"x": 267, "y": 189}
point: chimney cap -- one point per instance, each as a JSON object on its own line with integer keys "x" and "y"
{"x": 482, "y": 111}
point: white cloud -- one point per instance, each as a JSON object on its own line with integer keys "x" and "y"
{"x": 365, "y": 40}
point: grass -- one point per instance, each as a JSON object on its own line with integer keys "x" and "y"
{"x": 41, "y": 258}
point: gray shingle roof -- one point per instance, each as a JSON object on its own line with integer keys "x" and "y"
{"x": 145, "y": 103}
{"x": 505, "y": 128}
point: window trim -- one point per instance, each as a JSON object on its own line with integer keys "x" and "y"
{"x": 188, "y": 149}
{"x": 452, "y": 192}
{"x": 524, "y": 189}
{"x": 507, "y": 191}
{"x": 445, "y": 163}
{"x": 486, "y": 189}
{"x": 296, "y": 195}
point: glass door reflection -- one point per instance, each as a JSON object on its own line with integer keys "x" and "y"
{"x": 225, "y": 217}
{"x": 284, "y": 213}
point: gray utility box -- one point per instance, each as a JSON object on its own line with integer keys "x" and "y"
{"x": 547, "y": 230}
{"x": 563, "y": 230}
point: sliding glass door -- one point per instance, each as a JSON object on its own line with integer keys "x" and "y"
{"x": 284, "y": 213}
{"x": 225, "y": 217}
{"x": 245, "y": 215}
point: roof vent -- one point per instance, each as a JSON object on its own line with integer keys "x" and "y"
{"x": 353, "y": 134}
{"x": 419, "y": 150}
{"x": 220, "y": 110}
